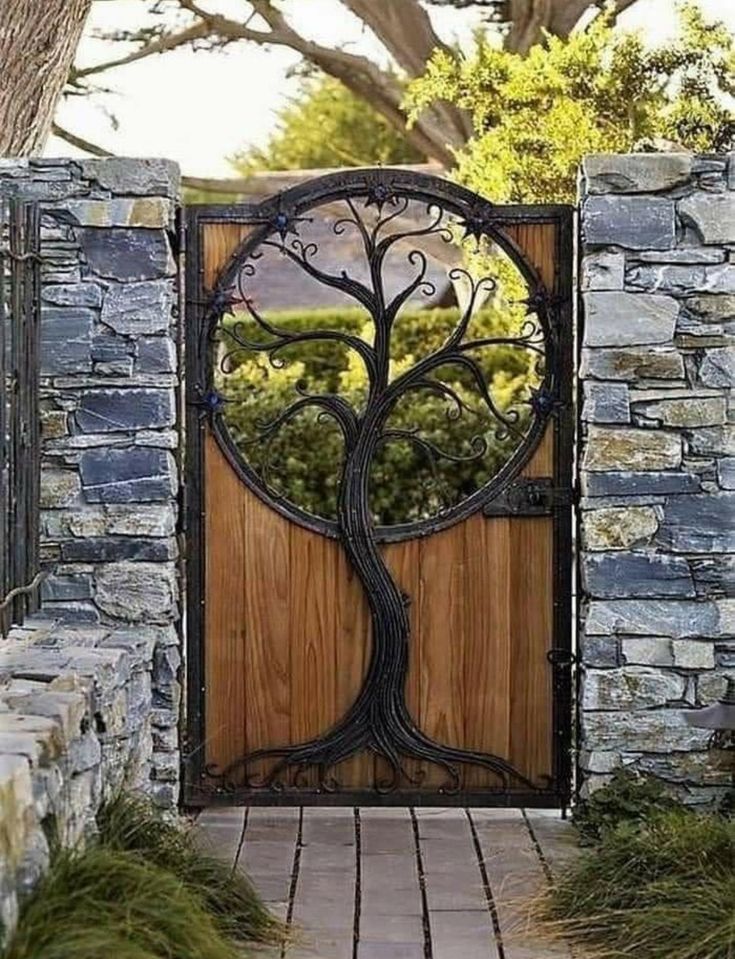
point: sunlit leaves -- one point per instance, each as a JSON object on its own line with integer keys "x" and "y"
{"x": 601, "y": 90}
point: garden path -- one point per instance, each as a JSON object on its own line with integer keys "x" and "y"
{"x": 397, "y": 883}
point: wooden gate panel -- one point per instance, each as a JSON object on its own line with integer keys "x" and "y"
{"x": 282, "y": 627}
{"x": 288, "y": 650}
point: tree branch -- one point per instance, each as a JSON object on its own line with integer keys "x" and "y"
{"x": 431, "y": 135}
{"x": 352, "y": 288}
{"x": 530, "y": 18}
{"x": 79, "y": 142}
{"x": 285, "y": 338}
{"x": 171, "y": 41}
{"x": 406, "y": 31}
{"x": 332, "y": 404}
{"x": 433, "y": 452}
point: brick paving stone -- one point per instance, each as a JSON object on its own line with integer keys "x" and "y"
{"x": 324, "y": 903}
{"x": 328, "y": 947}
{"x": 390, "y": 950}
{"x": 386, "y": 831}
{"x": 273, "y": 889}
{"x": 459, "y": 934}
{"x": 329, "y": 827}
{"x": 401, "y": 928}
{"x": 453, "y": 879}
{"x": 439, "y": 823}
{"x": 555, "y": 835}
{"x": 263, "y": 856}
{"x": 516, "y": 876}
{"x": 389, "y": 880}
{"x": 218, "y": 832}
{"x": 392, "y": 916}
{"x": 272, "y": 824}
{"x": 220, "y": 842}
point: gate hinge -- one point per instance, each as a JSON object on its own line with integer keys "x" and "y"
{"x": 530, "y": 496}
{"x": 177, "y": 233}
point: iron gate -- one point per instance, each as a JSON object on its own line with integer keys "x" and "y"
{"x": 323, "y": 611}
{"x": 20, "y": 304}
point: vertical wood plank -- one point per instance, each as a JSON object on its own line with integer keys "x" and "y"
{"x": 266, "y": 628}
{"x": 538, "y": 242}
{"x": 441, "y": 681}
{"x": 313, "y": 630}
{"x": 352, "y": 650}
{"x": 487, "y": 643}
{"x": 531, "y": 598}
{"x": 226, "y": 609}
{"x": 220, "y": 242}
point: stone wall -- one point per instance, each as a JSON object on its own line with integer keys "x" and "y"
{"x": 657, "y": 469}
{"x": 77, "y": 722}
{"x": 90, "y": 689}
{"x": 109, "y": 331}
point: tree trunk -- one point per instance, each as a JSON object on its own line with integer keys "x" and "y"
{"x": 38, "y": 40}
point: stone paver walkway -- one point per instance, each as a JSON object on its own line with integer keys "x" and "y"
{"x": 397, "y": 883}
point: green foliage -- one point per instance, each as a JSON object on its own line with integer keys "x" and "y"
{"x": 629, "y": 798}
{"x": 326, "y": 126}
{"x": 103, "y": 903}
{"x": 308, "y": 450}
{"x": 600, "y": 91}
{"x": 663, "y": 889}
{"x": 131, "y": 824}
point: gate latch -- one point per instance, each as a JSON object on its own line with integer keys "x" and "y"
{"x": 529, "y": 496}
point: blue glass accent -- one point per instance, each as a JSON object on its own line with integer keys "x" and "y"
{"x": 542, "y": 401}
{"x": 213, "y": 401}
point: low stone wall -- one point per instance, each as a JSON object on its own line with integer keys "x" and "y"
{"x": 77, "y": 723}
{"x": 657, "y": 462}
{"x": 109, "y": 380}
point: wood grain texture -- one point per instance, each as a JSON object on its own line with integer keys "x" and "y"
{"x": 287, "y": 626}
{"x": 227, "y": 614}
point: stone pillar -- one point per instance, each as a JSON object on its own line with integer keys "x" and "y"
{"x": 657, "y": 467}
{"x": 109, "y": 405}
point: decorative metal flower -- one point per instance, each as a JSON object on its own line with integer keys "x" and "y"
{"x": 542, "y": 401}
{"x": 477, "y": 222}
{"x": 379, "y": 194}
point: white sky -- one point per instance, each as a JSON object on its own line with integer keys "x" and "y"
{"x": 200, "y": 107}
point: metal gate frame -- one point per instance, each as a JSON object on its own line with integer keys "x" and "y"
{"x": 557, "y": 501}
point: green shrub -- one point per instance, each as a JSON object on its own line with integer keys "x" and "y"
{"x": 658, "y": 889}
{"x": 303, "y": 461}
{"x": 105, "y": 904}
{"x": 131, "y": 824}
{"x": 629, "y": 797}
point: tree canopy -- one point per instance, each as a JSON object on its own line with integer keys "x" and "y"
{"x": 404, "y": 30}
{"x": 601, "y": 90}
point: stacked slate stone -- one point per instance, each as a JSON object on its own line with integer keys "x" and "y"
{"x": 76, "y": 724}
{"x": 658, "y": 462}
{"x": 109, "y": 381}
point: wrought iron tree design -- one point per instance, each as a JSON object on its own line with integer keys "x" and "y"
{"x": 379, "y": 719}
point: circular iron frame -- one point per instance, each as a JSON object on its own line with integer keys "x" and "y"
{"x": 476, "y": 214}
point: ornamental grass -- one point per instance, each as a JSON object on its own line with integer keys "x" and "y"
{"x": 142, "y": 890}
{"x": 131, "y": 824}
{"x": 661, "y": 889}
{"x": 101, "y": 903}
